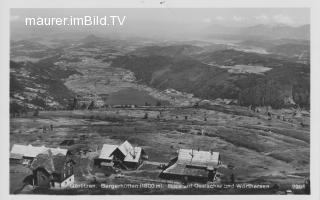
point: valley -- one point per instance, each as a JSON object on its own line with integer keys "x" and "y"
{"x": 251, "y": 106}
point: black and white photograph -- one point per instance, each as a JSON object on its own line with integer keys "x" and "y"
{"x": 159, "y": 101}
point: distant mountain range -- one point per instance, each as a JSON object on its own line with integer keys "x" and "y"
{"x": 291, "y": 48}
{"x": 170, "y": 50}
{"x": 261, "y": 31}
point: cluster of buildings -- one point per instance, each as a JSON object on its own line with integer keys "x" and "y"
{"x": 54, "y": 167}
{"x": 51, "y": 167}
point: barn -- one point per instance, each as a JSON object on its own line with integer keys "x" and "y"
{"x": 193, "y": 165}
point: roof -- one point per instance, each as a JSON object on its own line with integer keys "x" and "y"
{"x": 125, "y": 148}
{"x": 181, "y": 169}
{"x": 106, "y": 151}
{"x": 131, "y": 154}
{"x": 193, "y": 163}
{"x": 58, "y": 150}
{"x": 27, "y": 150}
{"x": 33, "y": 151}
{"x": 196, "y": 158}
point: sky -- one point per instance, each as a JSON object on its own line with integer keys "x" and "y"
{"x": 232, "y": 16}
{"x": 173, "y": 21}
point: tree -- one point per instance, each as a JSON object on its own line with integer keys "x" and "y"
{"x": 145, "y": 116}
{"x": 307, "y": 186}
{"x": 16, "y": 109}
{"x": 38, "y": 102}
{"x": 158, "y": 103}
{"x": 232, "y": 178}
{"x": 73, "y": 104}
{"x": 36, "y": 112}
{"x": 91, "y": 106}
{"x": 83, "y": 106}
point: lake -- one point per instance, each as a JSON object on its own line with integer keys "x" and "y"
{"x": 132, "y": 96}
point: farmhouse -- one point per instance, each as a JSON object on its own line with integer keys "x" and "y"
{"x": 193, "y": 165}
{"x": 26, "y": 153}
{"x": 124, "y": 155}
{"x": 52, "y": 171}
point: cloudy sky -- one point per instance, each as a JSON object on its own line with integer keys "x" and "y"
{"x": 231, "y": 16}
{"x": 175, "y": 21}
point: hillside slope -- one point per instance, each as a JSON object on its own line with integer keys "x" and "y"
{"x": 285, "y": 84}
{"x": 38, "y": 85}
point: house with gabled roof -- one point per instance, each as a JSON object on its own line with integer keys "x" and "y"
{"x": 106, "y": 152}
{"x": 124, "y": 155}
{"x": 27, "y": 153}
{"x": 194, "y": 165}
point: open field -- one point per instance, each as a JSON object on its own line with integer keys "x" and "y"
{"x": 253, "y": 148}
{"x": 246, "y": 69}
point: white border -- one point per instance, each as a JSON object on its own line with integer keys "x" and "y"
{"x": 315, "y": 73}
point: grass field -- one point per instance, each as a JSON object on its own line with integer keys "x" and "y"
{"x": 253, "y": 148}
